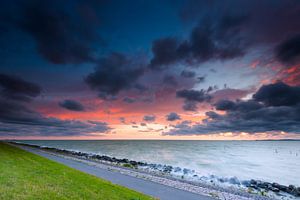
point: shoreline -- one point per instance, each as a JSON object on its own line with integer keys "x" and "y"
{"x": 161, "y": 174}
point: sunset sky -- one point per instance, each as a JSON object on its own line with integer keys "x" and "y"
{"x": 88, "y": 69}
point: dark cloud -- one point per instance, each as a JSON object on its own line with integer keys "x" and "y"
{"x": 72, "y": 105}
{"x": 150, "y": 130}
{"x": 143, "y": 124}
{"x": 15, "y": 88}
{"x": 173, "y": 116}
{"x": 256, "y": 24}
{"x": 225, "y": 105}
{"x": 273, "y": 108}
{"x": 64, "y": 31}
{"x": 113, "y": 74}
{"x": 192, "y": 97}
{"x": 210, "y": 39}
{"x": 278, "y": 94}
{"x": 289, "y": 50}
{"x": 149, "y": 118}
{"x": 129, "y": 100}
{"x": 188, "y": 74}
{"x": 182, "y": 124}
{"x": 244, "y": 106}
{"x": 164, "y": 52}
{"x": 190, "y": 106}
{"x": 267, "y": 21}
{"x": 19, "y": 119}
{"x": 170, "y": 80}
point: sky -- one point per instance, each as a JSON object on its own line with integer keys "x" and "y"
{"x": 193, "y": 69}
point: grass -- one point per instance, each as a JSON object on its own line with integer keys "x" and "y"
{"x": 24, "y": 175}
{"x": 128, "y": 165}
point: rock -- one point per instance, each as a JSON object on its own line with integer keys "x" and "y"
{"x": 152, "y": 166}
{"x": 177, "y": 169}
{"x": 263, "y": 185}
{"x": 141, "y": 164}
{"x": 124, "y": 160}
{"x": 234, "y": 180}
{"x": 134, "y": 163}
{"x": 280, "y": 187}
{"x": 297, "y": 192}
{"x": 186, "y": 171}
{"x": 167, "y": 168}
{"x": 253, "y": 182}
{"x": 114, "y": 159}
{"x": 253, "y": 186}
{"x": 274, "y": 189}
{"x": 222, "y": 180}
{"x": 292, "y": 187}
{"x": 246, "y": 183}
{"x": 212, "y": 176}
{"x": 292, "y": 190}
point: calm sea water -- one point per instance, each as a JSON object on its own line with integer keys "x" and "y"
{"x": 273, "y": 161}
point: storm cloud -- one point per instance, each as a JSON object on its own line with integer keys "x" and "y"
{"x": 114, "y": 74}
{"x": 15, "y": 88}
{"x": 18, "y": 119}
{"x": 289, "y": 50}
{"x": 64, "y": 31}
{"x": 72, "y": 105}
{"x": 267, "y": 22}
{"x": 17, "y": 116}
{"x": 229, "y": 29}
{"x": 149, "y": 118}
{"x": 173, "y": 116}
{"x": 273, "y": 108}
{"x": 192, "y": 97}
{"x": 135, "y": 65}
{"x": 210, "y": 39}
{"x": 129, "y": 100}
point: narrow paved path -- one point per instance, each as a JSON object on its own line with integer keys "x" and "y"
{"x": 157, "y": 190}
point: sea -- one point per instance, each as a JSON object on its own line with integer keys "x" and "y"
{"x": 271, "y": 161}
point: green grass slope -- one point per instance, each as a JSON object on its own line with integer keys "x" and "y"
{"x": 24, "y": 175}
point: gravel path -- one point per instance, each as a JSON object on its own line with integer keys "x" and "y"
{"x": 157, "y": 190}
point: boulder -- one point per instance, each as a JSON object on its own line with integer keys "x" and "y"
{"x": 177, "y": 169}
{"x": 234, "y": 180}
{"x": 253, "y": 182}
{"x": 167, "y": 168}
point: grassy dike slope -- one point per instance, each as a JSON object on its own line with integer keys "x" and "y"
{"x": 24, "y": 175}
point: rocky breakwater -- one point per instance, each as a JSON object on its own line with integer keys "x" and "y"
{"x": 275, "y": 187}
